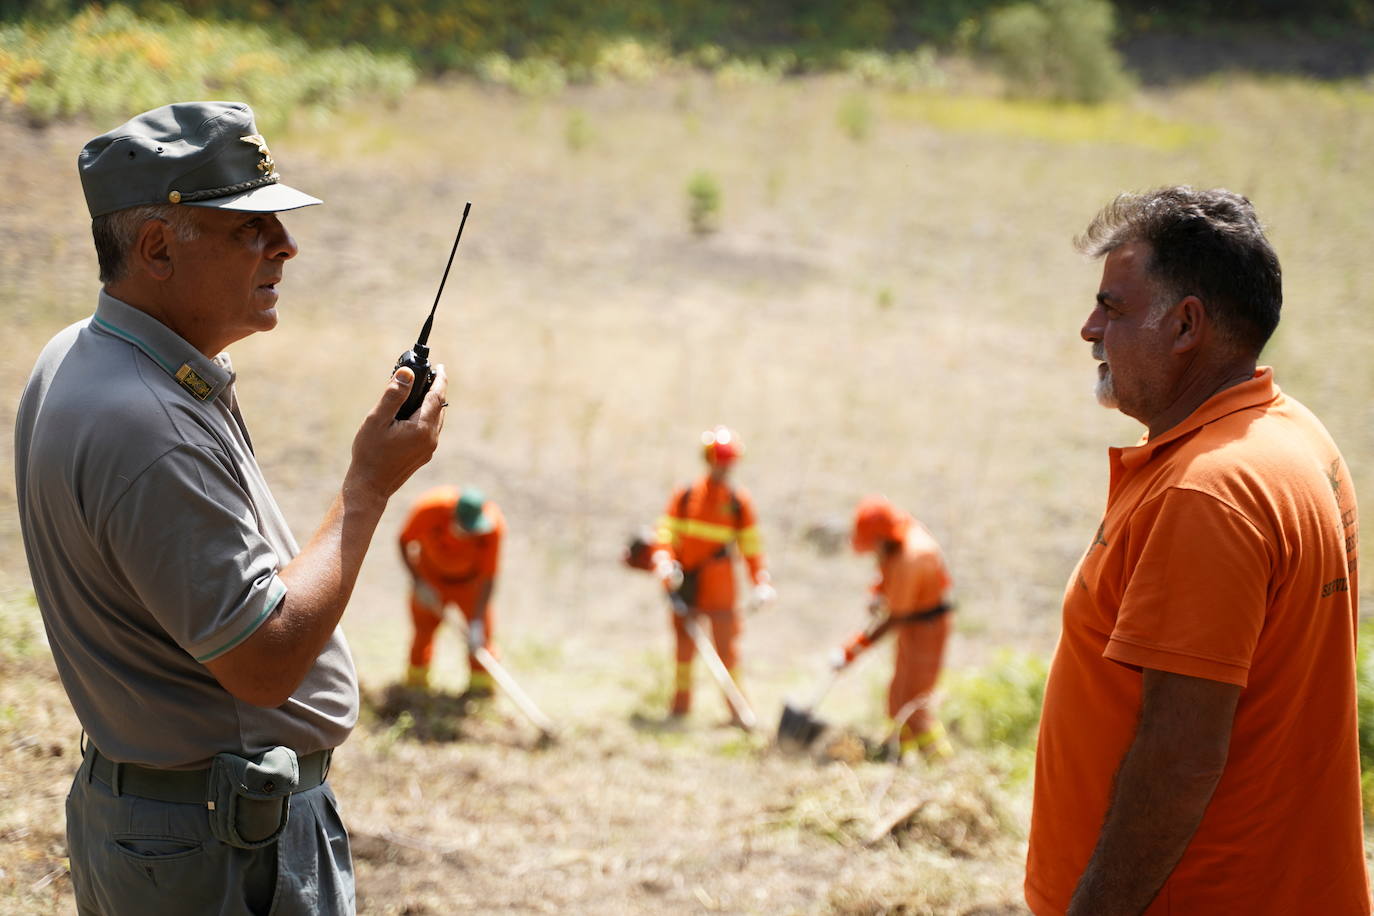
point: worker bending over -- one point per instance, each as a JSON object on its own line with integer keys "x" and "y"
{"x": 451, "y": 543}
{"x": 692, "y": 558}
{"x": 911, "y": 596}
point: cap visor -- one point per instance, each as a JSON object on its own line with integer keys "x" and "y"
{"x": 272, "y": 198}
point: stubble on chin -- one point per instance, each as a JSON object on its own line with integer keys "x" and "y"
{"x": 1105, "y": 389}
{"x": 1105, "y": 392}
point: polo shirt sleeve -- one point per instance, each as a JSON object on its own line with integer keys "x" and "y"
{"x": 185, "y": 537}
{"x": 1197, "y": 589}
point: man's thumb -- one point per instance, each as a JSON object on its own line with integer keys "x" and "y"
{"x": 399, "y": 387}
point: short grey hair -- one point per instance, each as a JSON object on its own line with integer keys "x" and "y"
{"x": 1208, "y": 244}
{"x": 115, "y": 234}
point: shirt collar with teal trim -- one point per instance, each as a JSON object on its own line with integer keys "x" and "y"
{"x": 198, "y": 375}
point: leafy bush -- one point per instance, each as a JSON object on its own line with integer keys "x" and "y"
{"x": 1364, "y": 682}
{"x": 703, "y": 203}
{"x": 905, "y": 72}
{"x": 1060, "y": 49}
{"x": 109, "y": 63}
{"x": 855, "y": 117}
{"x": 997, "y": 707}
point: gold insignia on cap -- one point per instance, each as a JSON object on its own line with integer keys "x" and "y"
{"x": 268, "y": 165}
{"x": 174, "y": 197}
{"x": 193, "y": 382}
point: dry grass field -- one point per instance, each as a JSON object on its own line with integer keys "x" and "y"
{"x": 891, "y": 304}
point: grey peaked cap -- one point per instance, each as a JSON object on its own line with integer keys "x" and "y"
{"x": 204, "y": 154}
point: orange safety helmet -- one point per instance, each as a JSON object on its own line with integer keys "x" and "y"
{"x": 876, "y": 521}
{"x": 721, "y": 446}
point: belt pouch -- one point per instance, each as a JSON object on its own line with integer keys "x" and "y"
{"x": 250, "y": 796}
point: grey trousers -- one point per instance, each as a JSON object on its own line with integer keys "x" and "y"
{"x": 136, "y": 856}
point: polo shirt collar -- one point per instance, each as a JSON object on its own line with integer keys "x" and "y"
{"x": 198, "y": 375}
{"x": 1258, "y": 391}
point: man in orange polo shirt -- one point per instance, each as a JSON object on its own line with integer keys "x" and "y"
{"x": 451, "y": 543}
{"x": 703, "y": 524}
{"x": 1198, "y": 749}
{"x": 910, "y": 597}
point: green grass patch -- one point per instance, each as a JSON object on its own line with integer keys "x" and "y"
{"x": 110, "y": 63}
{"x": 996, "y": 708}
{"x": 20, "y": 627}
{"x": 1364, "y": 682}
{"x": 1056, "y": 122}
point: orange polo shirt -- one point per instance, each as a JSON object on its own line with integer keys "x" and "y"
{"x": 1227, "y": 551}
{"x": 446, "y": 559}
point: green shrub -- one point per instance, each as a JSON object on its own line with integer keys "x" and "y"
{"x": 703, "y": 203}
{"x": 855, "y": 117}
{"x": 905, "y": 72}
{"x": 1059, "y": 49}
{"x": 1364, "y": 682}
{"x": 997, "y": 706}
{"x": 578, "y": 131}
{"x": 109, "y": 63}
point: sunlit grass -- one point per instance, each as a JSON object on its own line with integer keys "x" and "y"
{"x": 1109, "y": 124}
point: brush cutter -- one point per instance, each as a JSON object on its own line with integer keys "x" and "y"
{"x": 503, "y": 678}
{"x": 719, "y": 673}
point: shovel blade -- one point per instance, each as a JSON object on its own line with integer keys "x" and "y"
{"x": 798, "y": 728}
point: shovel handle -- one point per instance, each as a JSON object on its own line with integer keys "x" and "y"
{"x": 721, "y": 674}
{"x": 505, "y": 681}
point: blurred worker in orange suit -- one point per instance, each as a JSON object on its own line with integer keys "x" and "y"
{"x": 451, "y": 544}
{"x": 911, "y": 597}
{"x": 692, "y": 558}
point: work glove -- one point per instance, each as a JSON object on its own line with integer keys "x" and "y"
{"x": 841, "y": 657}
{"x": 669, "y": 572}
{"x": 427, "y": 596}
{"x": 763, "y": 595}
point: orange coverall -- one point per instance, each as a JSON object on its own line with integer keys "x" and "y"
{"x": 913, "y": 578}
{"x": 698, "y": 527}
{"x": 460, "y": 567}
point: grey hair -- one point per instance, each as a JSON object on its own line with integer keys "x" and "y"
{"x": 115, "y": 234}
{"x": 1208, "y": 244}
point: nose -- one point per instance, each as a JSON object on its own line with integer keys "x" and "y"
{"x": 1092, "y": 328}
{"x": 281, "y": 245}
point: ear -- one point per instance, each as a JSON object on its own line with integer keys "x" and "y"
{"x": 152, "y": 254}
{"x": 1193, "y": 324}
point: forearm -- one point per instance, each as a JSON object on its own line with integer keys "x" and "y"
{"x": 267, "y": 667}
{"x": 479, "y": 609}
{"x": 320, "y": 579}
{"x": 1163, "y": 787}
{"x": 271, "y": 664}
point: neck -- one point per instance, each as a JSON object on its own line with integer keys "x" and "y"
{"x": 153, "y": 302}
{"x": 1196, "y": 389}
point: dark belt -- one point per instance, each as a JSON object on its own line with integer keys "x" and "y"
{"x": 923, "y": 616}
{"x": 187, "y": 787}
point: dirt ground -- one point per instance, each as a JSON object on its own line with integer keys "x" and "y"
{"x": 888, "y": 310}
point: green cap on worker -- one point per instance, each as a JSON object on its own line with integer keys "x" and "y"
{"x": 203, "y": 154}
{"x": 469, "y": 512}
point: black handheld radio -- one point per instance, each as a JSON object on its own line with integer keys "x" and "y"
{"x": 417, "y": 358}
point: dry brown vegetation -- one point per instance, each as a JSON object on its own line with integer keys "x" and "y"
{"x": 894, "y": 313}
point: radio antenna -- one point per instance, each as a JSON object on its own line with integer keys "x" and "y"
{"x": 429, "y": 322}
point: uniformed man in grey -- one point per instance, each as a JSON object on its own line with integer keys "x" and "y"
{"x": 198, "y": 644}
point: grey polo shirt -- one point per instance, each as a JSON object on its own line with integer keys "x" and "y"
{"x": 154, "y": 546}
